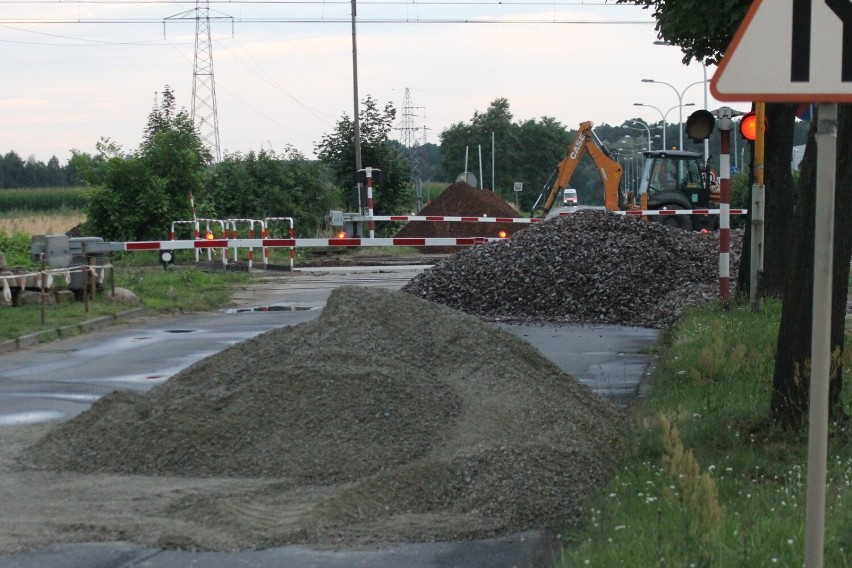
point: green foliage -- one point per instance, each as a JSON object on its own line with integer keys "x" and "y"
{"x": 136, "y": 197}
{"x": 391, "y": 189}
{"x": 16, "y": 247}
{"x": 261, "y": 185}
{"x": 43, "y": 199}
{"x": 701, "y": 29}
{"x": 526, "y": 152}
{"x": 17, "y": 173}
{"x": 745, "y": 505}
{"x": 131, "y": 205}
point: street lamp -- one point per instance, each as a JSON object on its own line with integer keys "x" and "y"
{"x": 664, "y": 115}
{"x": 646, "y": 128}
{"x": 679, "y": 101}
{"x": 706, "y": 82}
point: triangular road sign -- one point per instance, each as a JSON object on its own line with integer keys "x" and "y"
{"x": 789, "y": 51}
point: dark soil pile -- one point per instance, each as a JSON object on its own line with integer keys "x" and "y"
{"x": 409, "y": 418}
{"x": 588, "y": 267}
{"x": 462, "y": 200}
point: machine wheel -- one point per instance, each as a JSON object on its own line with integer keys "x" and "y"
{"x": 679, "y": 221}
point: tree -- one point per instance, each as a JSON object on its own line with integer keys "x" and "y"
{"x": 526, "y": 151}
{"x": 262, "y": 184}
{"x": 703, "y": 30}
{"x": 461, "y": 140}
{"x": 789, "y": 402}
{"x": 391, "y": 190}
{"x": 141, "y": 194}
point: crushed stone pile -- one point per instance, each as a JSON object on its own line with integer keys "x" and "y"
{"x": 588, "y": 267}
{"x": 414, "y": 421}
{"x": 461, "y": 200}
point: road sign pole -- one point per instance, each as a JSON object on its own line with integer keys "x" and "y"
{"x": 758, "y": 202}
{"x": 821, "y": 335}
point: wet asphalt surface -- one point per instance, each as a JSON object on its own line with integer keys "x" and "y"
{"x": 59, "y": 380}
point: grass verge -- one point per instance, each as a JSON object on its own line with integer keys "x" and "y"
{"x": 161, "y": 291}
{"x": 708, "y": 481}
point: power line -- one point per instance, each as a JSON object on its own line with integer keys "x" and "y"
{"x": 278, "y": 20}
{"x": 420, "y": 4}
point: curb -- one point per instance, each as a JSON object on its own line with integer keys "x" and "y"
{"x": 63, "y": 332}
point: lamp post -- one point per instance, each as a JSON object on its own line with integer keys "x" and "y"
{"x": 706, "y": 83}
{"x": 679, "y": 102}
{"x": 648, "y": 130}
{"x": 664, "y": 115}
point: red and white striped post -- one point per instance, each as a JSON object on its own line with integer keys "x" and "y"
{"x": 725, "y": 124}
{"x": 371, "y": 223}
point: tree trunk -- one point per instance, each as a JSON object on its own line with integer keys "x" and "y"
{"x": 778, "y": 210}
{"x": 790, "y": 388}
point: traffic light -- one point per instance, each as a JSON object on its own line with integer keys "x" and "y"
{"x": 699, "y": 125}
{"x": 748, "y": 126}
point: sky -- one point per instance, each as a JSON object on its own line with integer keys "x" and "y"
{"x": 77, "y": 71}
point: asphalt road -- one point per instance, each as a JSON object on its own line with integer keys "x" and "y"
{"x": 59, "y": 380}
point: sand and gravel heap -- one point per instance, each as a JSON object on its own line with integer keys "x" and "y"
{"x": 588, "y": 267}
{"x": 412, "y": 420}
{"x": 462, "y": 200}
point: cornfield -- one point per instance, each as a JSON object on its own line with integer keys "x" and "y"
{"x": 43, "y": 199}
{"x": 41, "y": 211}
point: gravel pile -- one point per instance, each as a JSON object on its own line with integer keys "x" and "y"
{"x": 411, "y": 420}
{"x": 462, "y": 200}
{"x": 587, "y": 267}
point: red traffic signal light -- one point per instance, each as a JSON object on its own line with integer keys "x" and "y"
{"x": 748, "y": 126}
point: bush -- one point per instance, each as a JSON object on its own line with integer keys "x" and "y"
{"x": 16, "y": 247}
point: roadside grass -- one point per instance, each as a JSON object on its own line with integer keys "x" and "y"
{"x": 161, "y": 291}
{"x": 707, "y": 480}
{"x": 180, "y": 291}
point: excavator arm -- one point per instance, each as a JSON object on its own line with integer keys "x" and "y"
{"x": 609, "y": 170}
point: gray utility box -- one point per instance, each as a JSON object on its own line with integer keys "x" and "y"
{"x": 351, "y": 223}
{"x": 55, "y": 248}
{"x": 61, "y": 251}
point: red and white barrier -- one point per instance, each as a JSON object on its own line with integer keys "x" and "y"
{"x": 266, "y": 234}
{"x": 637, "y": 213}
{"x": 211, "y": 244}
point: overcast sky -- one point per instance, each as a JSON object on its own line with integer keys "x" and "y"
{"x": 76, "y": 71}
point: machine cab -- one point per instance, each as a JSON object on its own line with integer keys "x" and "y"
{"x": 674, "y": 179}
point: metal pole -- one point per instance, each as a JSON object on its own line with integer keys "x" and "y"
{"x": 356, "y": 122}
{"x": 371, "y": 223}
{"x": 758, "y": 201}
{"x": 493, "y": 179}
{"x": 821, "y": 335}
{"x": 707, "y": 140}
{"x": 481, "y": 181}
{"x": 725, "y": 122}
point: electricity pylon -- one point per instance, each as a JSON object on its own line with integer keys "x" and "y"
{"x": 204, "y": 114}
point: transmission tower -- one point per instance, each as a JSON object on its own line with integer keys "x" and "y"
{"x": 408, "y": 132}
{"x": 204, "y": 114}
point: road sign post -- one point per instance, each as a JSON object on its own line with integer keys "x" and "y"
{"x": 772, "y": 58}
